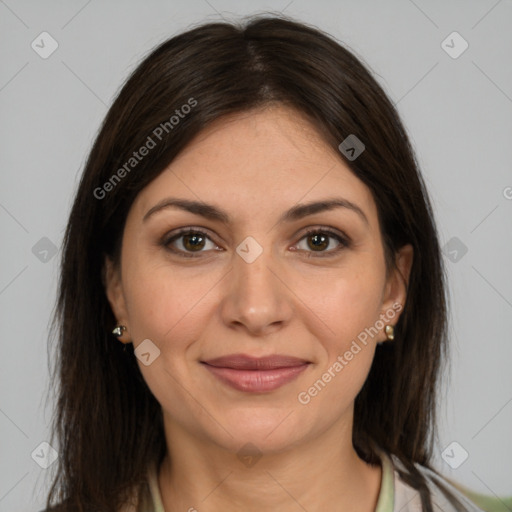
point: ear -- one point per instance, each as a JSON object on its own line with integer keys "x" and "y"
{"x": 395, "y": 291}
{"x": 112, "y": 283}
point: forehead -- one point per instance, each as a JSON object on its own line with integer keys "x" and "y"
{"x": 269, "y": 159}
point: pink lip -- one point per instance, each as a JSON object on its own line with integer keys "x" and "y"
{"x": 246, "y": 373}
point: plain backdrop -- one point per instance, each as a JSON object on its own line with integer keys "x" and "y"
{"x": 456, "y": 106}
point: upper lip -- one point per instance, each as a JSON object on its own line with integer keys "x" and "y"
{"x": 246, "y": 362}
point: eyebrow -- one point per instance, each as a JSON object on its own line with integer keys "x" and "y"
{"x": 295, "y": 213}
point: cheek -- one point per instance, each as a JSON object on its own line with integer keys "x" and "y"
{"x": 352, "y": 306}
{"x": 347, "y": 301}
{"x": 169, "y": 305}
{"x": 157, "y": 303}
{"x": 165, "y": 307}
{"x": 349, "y": 306}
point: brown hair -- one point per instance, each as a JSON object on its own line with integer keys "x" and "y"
{"x": 108, "y": 423}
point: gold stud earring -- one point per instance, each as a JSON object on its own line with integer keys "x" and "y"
{"x": 390, "y": 332}
{"x": 118, "y": 330}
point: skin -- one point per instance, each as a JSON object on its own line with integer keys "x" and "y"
{"x": 255, "y": 166}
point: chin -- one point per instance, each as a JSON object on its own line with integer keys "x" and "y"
{"x": 269, "y": 429}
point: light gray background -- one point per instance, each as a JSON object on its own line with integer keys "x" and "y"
{"x": 458, "y": 113}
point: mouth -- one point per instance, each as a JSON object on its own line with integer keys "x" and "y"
{"x": 256, "y": 375}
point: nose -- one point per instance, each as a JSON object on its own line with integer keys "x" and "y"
{"x": 257, "y": 298}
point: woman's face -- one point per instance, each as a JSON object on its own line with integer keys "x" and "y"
{"x": 252, "y": 282}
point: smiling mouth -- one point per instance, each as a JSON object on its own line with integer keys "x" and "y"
{"x": 256, "y": 375}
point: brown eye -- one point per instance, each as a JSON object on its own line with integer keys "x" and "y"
{"x": 188, "y": 241}
{"x": 317, "y": 241}
{"x": 193, "y": 242}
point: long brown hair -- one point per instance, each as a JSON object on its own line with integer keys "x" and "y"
{"x": 108, "y": 424}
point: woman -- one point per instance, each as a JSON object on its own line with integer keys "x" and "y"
{"x": 252, "y": 227}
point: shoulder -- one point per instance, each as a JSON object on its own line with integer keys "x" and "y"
{"x": 444, "y": 495}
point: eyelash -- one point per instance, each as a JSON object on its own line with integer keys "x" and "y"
{"x": 344, "y": 242}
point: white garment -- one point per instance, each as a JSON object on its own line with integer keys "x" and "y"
{"x": 407, "y": 499}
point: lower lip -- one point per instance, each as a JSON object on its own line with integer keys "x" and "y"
{"x": 256, "y": 381}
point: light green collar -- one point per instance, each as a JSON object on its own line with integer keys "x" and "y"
{"x": 158, "y": 506}
{"x": 386, "y": 501}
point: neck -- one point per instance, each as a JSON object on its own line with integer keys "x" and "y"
{"x": 317, "y": 475}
